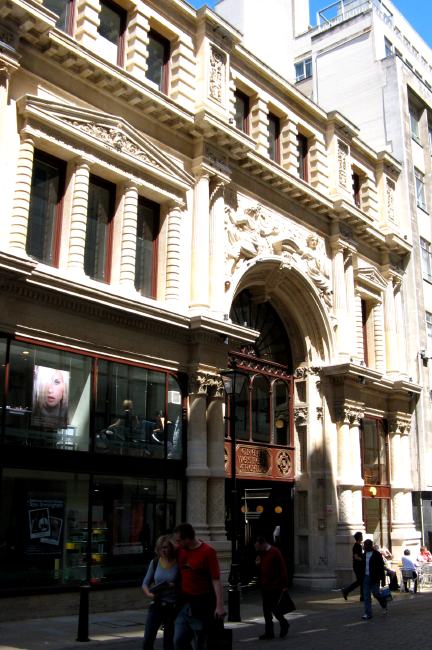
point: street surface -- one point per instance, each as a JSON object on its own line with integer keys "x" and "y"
{"x": 323, "y": 621}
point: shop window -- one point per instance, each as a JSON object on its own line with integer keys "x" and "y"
{"x": 260, "y": 409}
{"x": 64, "y": 10}
{"x": 138, "y": 412}
{"x": 100, "y": 214}
{"x": 111, "y": 29}
{"x": 146, "y": 248}
{"x": 274, "y": 138}
{"x": 46, "y": 202}
{"x": 303, "y": 157}
{"x": 241, "y": 106}
{"x": 159, "y": 50}
{"x": 374, "y": 452}
{"x": 420, "y": 189}
{"x": 281, "y": 403}
{"x": 426, "y": 259}
{"x": 48, "y": 398}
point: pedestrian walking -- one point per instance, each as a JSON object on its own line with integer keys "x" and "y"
{"x": 201, "y": 590}
{"x": 273, "y": 579}
{"x": 373, "y": 569}
{"x": 357, "y": 564}
{"x": 161, "y": 585}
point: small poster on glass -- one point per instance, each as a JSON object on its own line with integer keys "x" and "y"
{"x": 50, "y": 398}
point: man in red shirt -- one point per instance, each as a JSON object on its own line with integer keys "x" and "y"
{"x": 201, "y": 589}
{"x": 274, "y": 580}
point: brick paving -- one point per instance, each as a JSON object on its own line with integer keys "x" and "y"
{"x": 322, "y": 621}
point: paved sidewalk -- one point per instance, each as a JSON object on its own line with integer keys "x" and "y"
{"x": 322, "y": 620}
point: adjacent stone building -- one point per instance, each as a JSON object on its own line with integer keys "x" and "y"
{"x": 172, "y": 206}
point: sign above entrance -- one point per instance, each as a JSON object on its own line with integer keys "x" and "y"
{"x": 261, "y": 462}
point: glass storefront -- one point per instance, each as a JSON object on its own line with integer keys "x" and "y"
{"x": 72, "y": 508}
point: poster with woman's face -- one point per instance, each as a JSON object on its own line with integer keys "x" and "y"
{"x": 50, "y": 398}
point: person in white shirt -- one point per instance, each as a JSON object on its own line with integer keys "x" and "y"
{"x": 407, "y": 566}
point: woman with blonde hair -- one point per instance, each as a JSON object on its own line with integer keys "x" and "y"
{"x": 50, "y": 397}
{"x": 160, "y": 584}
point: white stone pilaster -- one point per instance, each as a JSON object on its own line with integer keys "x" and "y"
{"x": 289, "y": 147}
{"x": 339, "y": 295}
{"x": 183, "y": 72}
{"x": 78, "y": 225}
{"x": 378, "y": 328}
{"x": 359, "y": 326}
{"x": 173, "y": 255}
{"x": 216, "y": 482}
{"x": 259, "y": 125}
{"x": 318, "y": 165}
{"x": 350, "y": 304}
{"x": 197, "y": 471}
{"x": 87, "y": 22}
{"x": 391, "y": 340}
{"x": 216, "y": 248}
{"x": 200, "y": 245}
{"x": 137, "y": 41}
{"x": 400, "y": 328}
{"x": 129, "y": 236}
{"x": 21, "y": 201}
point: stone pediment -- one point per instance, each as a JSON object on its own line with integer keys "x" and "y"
{"x": 103, "y": 131}
{"x": 370, "y": 277}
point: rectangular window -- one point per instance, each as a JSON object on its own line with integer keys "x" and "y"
{"x": 146, "y": 250}
{"x": 414, "y": 123}
{"x": 303, "y": 69}
{"x": 430, "y": 138}
{"x": 426, "y": 259}
{"x": 420, "y": 189}
{"x": 303, "y": 157}
{"x": 158, "y": 60}
{"x": 111, "y": 29}
{"x": 356, "y": 187}
{"x": 374, "y": 450}
{"x": 241, "y": 111}
{"x": 366, "y": 312}
{"x": 388, "y": 47}
{"x": 64, "y": 10}
{"x": 46, "y": 202}
{"x": 100, "y": 213}
{"x": 274, "y": 135}
{"x": 429, "y": 330}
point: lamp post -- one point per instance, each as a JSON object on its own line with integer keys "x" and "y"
{"x": 233, "y": 380}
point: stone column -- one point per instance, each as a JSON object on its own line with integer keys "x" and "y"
{"x": 391, "y": 341}
{"x": 356, "y": 471}
{"x": 216, "y": 248}
{"x": 400, "y": 326}
{"x": 403, "y": 531}
{"x": 21, "y": 201}
{"x": 129, "y": 236}
{"x": 344, "y": 446}
{"x": 340, "y": 305}
{"x": 78, "y": 225}
{"x": 378, "y": 326}
{"x": 359, "y": 326}
{"x": 197, "y": 471}
{"x": 215, "y": 457}
{"x": 173, "y": 255}
{"x": 350, "y": 303}
{"x": 200, "y": 245}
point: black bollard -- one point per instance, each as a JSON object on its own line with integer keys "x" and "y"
{"x": 83, "y": 616}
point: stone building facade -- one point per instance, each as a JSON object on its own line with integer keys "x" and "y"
{"x": 170, "y": 207}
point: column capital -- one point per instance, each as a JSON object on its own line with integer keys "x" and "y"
{"x": 399, "y": 423}
{"x": 349, "y": 413}
{"x": 205, "y": 385}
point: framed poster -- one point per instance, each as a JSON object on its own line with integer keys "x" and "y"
{"x": 50, "y": 398}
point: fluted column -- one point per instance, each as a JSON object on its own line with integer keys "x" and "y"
{"x": 173, "y": 255}
{"x": 359, "y": 345}
{"x": 378, "y": 321}
{"x": 215, "y": 458}
{"x": 216, "y": 247}
{"x": 351, "y": 304}
{"x": 197, "y": 471}
{"x": 129, "y": 236}
{"x": 21, "y": 202}
{"x": 339, "y": 293}
{"x": 391, "y": 341}
{"x": 400, "y": 327}
{"x": 344, "y": 447}
{"x": 200, "y": 244}
{"x": 78, "y": 224}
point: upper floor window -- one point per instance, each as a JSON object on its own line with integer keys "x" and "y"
{"x": 303, "y": 69}
{"x": 356, "y": 188}
{"x": 241, "y": 104}
{"x": 146, "y": 250}
{"x": 426, "y": 259}
{"x": 157, "y": 60}
{"x": 374, "y": 452}
{"x": 367, "y": 329}
{"x": 388, "y": 47}
{"x": 46, "y": 199}
{"x": 430, "y": 138}
{"x": 420, "y": 189}
{"x": 64, "y": 11}
{"x": 274, "y": 135}
{"x": 111, "y": 29}
{"x": 97, "y": 255}
{"x": 414, "y": 123}
{"x": 429, "y": 330}
{"x": 303, "y": 157}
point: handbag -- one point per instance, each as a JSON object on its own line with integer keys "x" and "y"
{"x": 284, "y": 605}
{"x": 219, "y": 637}
{"x": 385, "y": 593}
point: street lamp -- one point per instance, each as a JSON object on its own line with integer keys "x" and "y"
{"x": 233, "y": 381}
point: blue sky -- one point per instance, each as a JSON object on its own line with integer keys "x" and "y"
{"x": 417, "y": 12}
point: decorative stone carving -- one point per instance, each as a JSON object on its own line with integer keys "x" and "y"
{"x": 390, "y": 194}
{"x": 216, "y": 160}
{"x": 399, "y": 424}
{"x": 300, "y": 415}
{"x": 205, "y": 384}
{"x": 283, "y": 462}
{"x": 305, "y": 371}
{"x": 349, "y": 414}
{"x": 342, "y": 163}
{"x": 217, "y": 74}
{"x": 317, "y": 269}
{"x": 247, "y": 235}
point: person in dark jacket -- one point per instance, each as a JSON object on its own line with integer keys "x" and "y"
{"x": 273, "y": 580}
{"x": 357, "y": 560}
{"x": 374, "y": 574}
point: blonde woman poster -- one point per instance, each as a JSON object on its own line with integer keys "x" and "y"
{"x": 50, "y": 398}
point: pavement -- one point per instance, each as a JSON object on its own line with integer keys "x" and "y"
{"x": 322, "y": 621}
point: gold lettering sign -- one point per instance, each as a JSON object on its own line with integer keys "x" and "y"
{"x": 253, "y": 460}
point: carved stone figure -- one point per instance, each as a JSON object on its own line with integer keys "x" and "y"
{"x": 316, "y": 268}
{"x": 248, "y": 235}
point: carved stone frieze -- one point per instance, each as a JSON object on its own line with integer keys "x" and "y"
{"x": 399, "y": 424}
{"x": 342, "y": 163}
{"x": 348, "y": 414}
{"x": 390, "y": 198}
{"x": 217, "y": 74}
{"x": 300, "y": 415}
{"x": 306, "y": 371}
